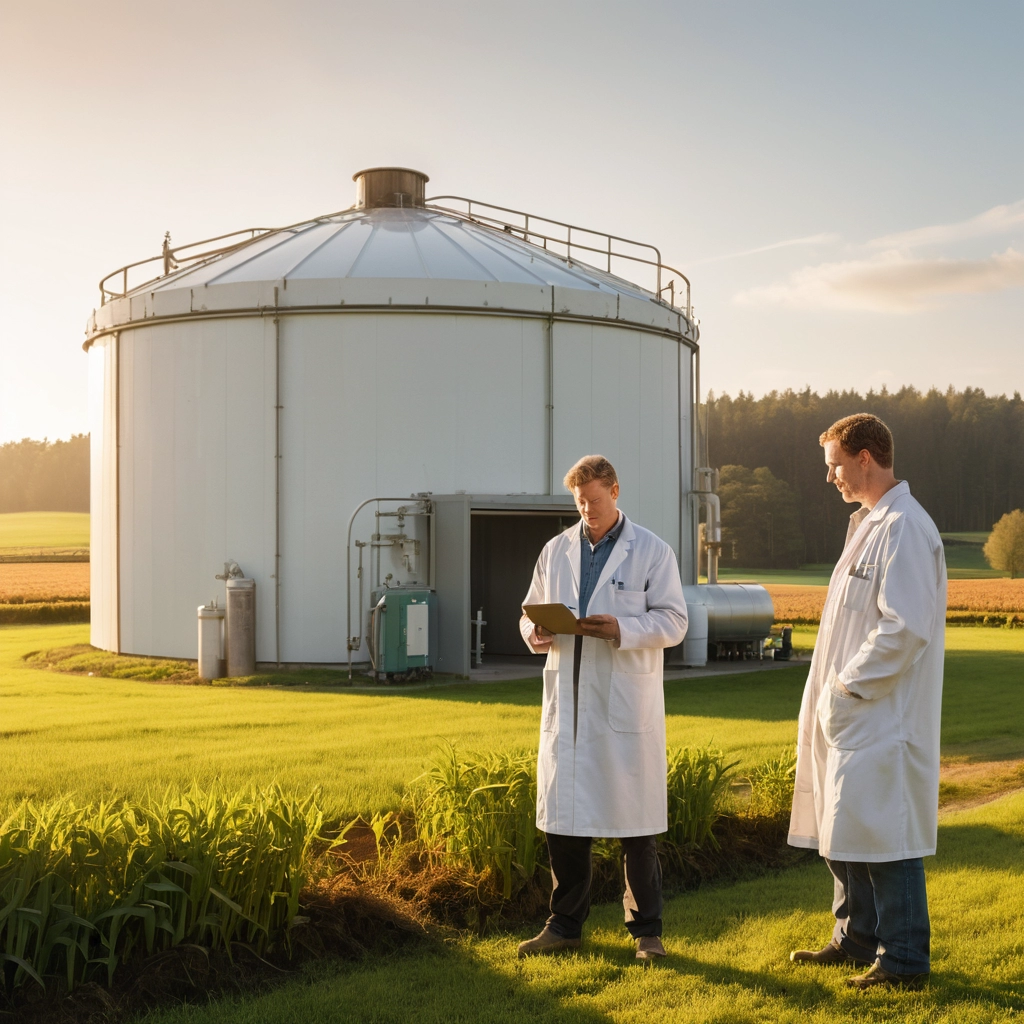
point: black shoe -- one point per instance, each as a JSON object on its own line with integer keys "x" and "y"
{"x": 832, "y": 955}
{"x": 546, "y": 942}
{"x": 878, "y": 977}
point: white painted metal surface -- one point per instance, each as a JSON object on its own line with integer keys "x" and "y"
{"x": 103, "y": 560}
{"x": 415, "y": 352}
{"x": 417, "y": 630}
{"x": 391, "y": 257}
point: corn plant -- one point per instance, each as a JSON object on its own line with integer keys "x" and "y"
{"x": 479, "y": 812}
{"x": 85, "y": 888}
{"x": 771, "y": 785}
{"x": 696, "y": 785}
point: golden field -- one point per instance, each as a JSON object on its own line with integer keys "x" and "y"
{"x": 804, "y": 604}
{"x": 44, "y": 581}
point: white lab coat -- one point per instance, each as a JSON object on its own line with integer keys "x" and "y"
{"x": 611, "y": 780}
{"x": 867, "y": 772}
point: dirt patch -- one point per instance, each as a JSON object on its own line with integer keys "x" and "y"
{"x": 964, "y": 783}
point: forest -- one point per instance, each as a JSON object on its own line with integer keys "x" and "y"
{"x": 45, "y": 476}
{"x": 962, "y": 453}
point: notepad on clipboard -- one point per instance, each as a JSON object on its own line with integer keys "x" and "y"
{"x": 555, "y": 618}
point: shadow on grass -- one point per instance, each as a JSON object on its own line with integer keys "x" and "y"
{"x": 977, "y": 846}
{"x": 771, "y": 697}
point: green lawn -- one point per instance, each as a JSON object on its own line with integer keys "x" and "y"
{"x": 728, "y": 944}
{"x": 805, "y": 576}
{"x": 43, "y": 530}
{"x": 728, "y": 959}
{"x": 89, "y": 736}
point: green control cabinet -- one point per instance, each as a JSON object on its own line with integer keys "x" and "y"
{"x": 403, "y": 634}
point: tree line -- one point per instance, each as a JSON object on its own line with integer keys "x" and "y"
{"x": 961, "y": 451}
{"x": 45, "y": 476}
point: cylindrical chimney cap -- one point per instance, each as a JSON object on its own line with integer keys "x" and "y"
{"x": 389, "y": 186}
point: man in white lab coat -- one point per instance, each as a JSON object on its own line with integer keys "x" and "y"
{"x": 601, "y": 767}
{"x": 867, "y": 774}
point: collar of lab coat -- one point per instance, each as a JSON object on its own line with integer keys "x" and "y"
{"x": 885, "y": 502}
{"x": 878, "y": 513}
{"x": 615, "y": 559}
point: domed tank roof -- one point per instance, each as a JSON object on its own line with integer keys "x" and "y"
{"x": 392, "y": 255}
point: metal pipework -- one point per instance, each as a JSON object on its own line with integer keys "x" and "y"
{"x": 478, "y": 651}
{"x": 423, "y": 508}
{"x": 707, "y": 484}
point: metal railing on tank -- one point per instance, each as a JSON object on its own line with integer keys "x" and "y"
{"x": 536, "y": 229}
{"x": 174, "y": 258}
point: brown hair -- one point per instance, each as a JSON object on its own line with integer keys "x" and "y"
{"x": 859, "y": 432}
{"x": 591, "y": 467}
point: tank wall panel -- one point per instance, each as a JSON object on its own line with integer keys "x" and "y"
{"x": 196, "y": 419}
{"x": 616, "y": 394}
{"x": 374, "y": 404}
{"x": 387, "y": 405}
{"x": 103, "y": 567}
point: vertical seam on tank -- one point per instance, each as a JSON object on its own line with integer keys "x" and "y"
{"x": 117, "y": 485}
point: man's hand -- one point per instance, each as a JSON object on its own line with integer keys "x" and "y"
{"x": 604, "y": 627}
{"x": 540, "y": 637}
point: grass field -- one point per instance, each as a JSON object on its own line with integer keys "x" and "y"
{"x": 964, "y": 561}
{"x": 33, "y": 531}
{"x": 728, "y": 959}
{"x": 806, "y": 576}
{"x": 728, "y": 944}
{"x": 90, "y": 736}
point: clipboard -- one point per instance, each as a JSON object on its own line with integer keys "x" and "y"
{"x": 555, "y": 618}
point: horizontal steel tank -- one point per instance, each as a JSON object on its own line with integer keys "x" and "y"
{"x": 726, "y": 614}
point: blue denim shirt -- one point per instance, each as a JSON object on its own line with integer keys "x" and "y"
{"x": 593, "y": 558}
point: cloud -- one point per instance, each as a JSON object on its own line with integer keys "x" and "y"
{"x": 806, "y": 240}
{"x": 890, "y": 282}
{"x": 997, "y": 221}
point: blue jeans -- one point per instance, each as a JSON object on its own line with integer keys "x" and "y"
{"x": 881, "y": 912}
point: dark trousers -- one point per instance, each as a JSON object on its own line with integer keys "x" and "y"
{"x": 881, "y": 912}
{"x": 570, "y": 884}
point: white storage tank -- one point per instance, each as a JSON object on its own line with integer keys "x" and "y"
{"x": 448, "y": 354}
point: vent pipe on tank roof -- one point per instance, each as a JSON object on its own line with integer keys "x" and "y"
{"x": 390, "y": 186}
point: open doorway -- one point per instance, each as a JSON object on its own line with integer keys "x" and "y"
{"x": 503, "y": 551}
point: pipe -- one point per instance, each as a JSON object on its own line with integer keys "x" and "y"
{"x": 349, "y": 638}
{"x": 320, "y": 310}
{"x": 695, "y": 456}
{"x": 551, "y": 405}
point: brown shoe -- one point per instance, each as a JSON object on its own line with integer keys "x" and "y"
{"x": 546, "y": 942}
{"x": 648, "y": 947}
{"x": 878, "y": 977}
{"x": 832, "y": 955}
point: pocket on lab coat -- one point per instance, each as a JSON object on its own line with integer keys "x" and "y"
{"x": 629, "y": 604}
{"x": 849, "y": 723}
{"x": 631, "y": 701}
{"x": 549, "y": 706}
{"x": 858, "y": 593}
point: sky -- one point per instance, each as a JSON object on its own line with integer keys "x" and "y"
{"x": 843, "y": 182}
